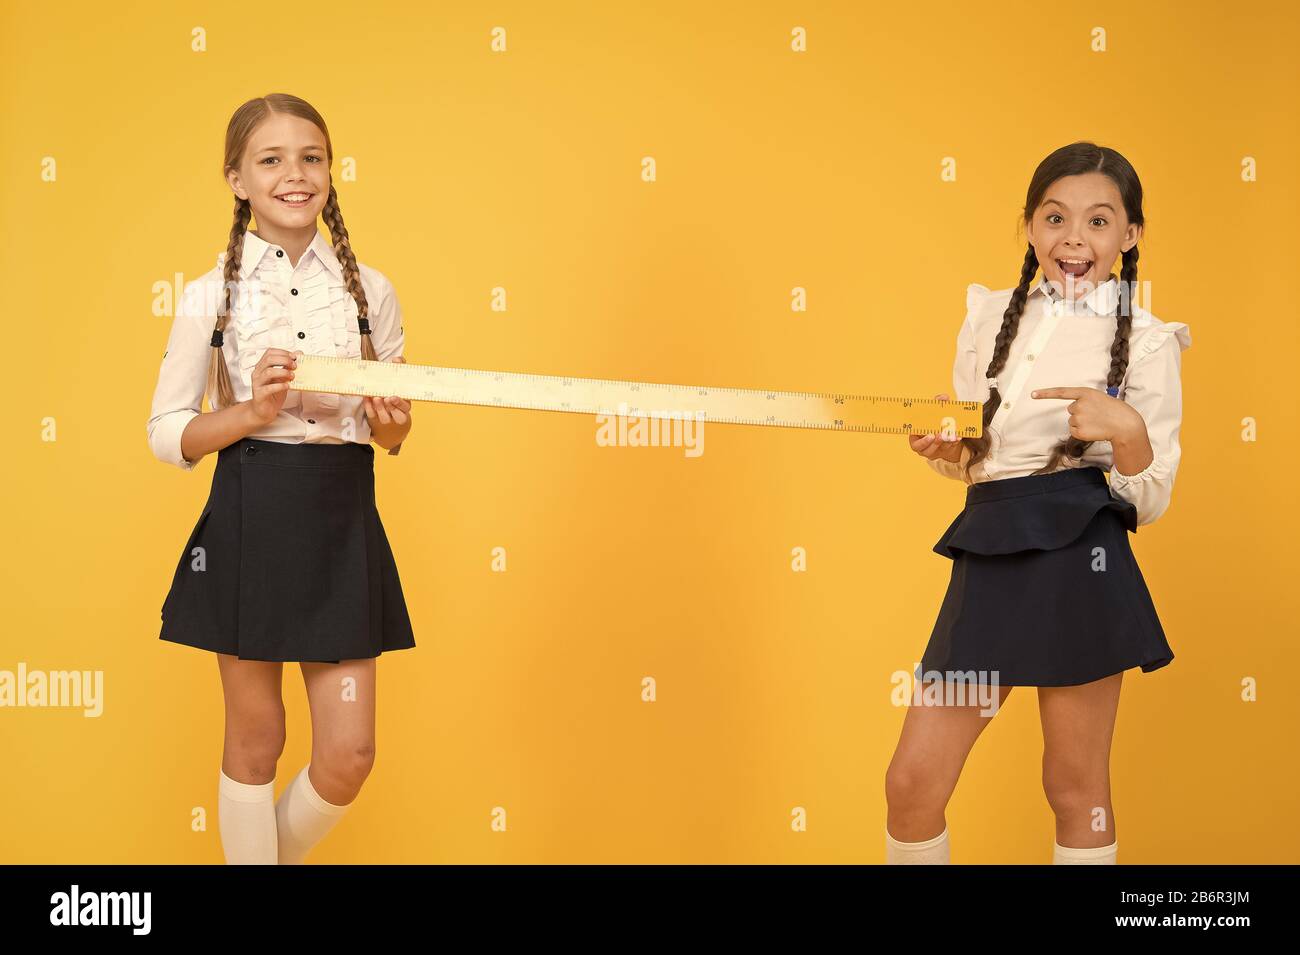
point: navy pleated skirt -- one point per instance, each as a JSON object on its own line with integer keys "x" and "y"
{"x": 289, "y": 560}
{"x": 1045, "y": 590}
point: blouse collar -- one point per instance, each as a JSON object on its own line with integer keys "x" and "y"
{"x": 1101, "y": 300}
{"x": 255, "y": 247}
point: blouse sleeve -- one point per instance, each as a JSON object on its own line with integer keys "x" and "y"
{"x": 182, "y": 378}
{"x": 388, "y": 336}
{"x": 963, "y": 376}
{"x": 1155, "y": 389}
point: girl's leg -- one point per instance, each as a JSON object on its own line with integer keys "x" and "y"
{"x": 1078, "y": 723}
{"x": 342, "y": 700}
{"x": 253, "y": 743}
{"x": 922, "y": 775}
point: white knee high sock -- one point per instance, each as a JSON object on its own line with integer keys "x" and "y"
{"x": 303, "y": 818}
{"x": 246, "y": 817}
{"x": 930, "y": 852}
{"x": 1097, "y": 855}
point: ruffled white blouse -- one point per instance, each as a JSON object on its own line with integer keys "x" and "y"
{"x": 1067, "y": 344}
{"x": 295, "y": 307}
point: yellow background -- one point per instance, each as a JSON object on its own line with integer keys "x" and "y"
{"x": 522, "y": 169}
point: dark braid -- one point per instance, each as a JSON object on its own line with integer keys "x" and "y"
{"x": 1073, "y": 447}
{"x": 218, "y": 375}
{"x": 351, "y": 274}
{"x": 1001, "y": 348}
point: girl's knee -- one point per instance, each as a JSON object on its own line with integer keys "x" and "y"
{"x": 913, "y": 785}
{"x": 349, "y": 761}
{"x": 253, "y": 748}
{"x": 1075, "y": 789}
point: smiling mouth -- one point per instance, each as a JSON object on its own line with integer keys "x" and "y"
{"x": 1075, "y": 267}
{"x": 296, "y": 198}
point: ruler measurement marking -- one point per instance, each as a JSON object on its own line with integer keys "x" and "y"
{"x": 877, "y": 414}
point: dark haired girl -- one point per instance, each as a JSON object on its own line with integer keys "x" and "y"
{"x": 1076, "y": 381}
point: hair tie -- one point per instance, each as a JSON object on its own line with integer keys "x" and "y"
{"x": 993, "y": 384}
{"x": 365, "y": 325}
{"x": 1113, "y": 391}
{"x": 216, "y": 338}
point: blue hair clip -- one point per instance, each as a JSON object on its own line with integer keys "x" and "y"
{"x": 1113, "y": 391}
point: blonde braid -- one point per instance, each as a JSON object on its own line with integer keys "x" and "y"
{"x": 351, "y": 274}
{"x": 219, "y": 386}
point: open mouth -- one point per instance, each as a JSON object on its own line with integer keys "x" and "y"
{"x": 295, "y": 198}
{"x": 1078, "y": 268}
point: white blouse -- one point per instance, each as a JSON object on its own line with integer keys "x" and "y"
{"x": 1067, "y": 344}
{"x": 304, "y": 307}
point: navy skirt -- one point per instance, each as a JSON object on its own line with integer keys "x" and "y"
{"x": 1045, "y": 590}
{"x": 289, "y": 560}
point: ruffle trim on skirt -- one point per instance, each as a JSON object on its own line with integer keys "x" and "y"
{"x": 1045, "y": 589}
{"x": 995, "y": 523}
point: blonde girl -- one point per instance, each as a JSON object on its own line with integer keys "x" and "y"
{"x": 288, "y": 561}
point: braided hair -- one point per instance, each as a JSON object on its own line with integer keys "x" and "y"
{"x": 1074, "y": 159}
{"x": 242, "y": 124}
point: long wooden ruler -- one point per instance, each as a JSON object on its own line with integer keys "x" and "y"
{"x": 638, "y": 399}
